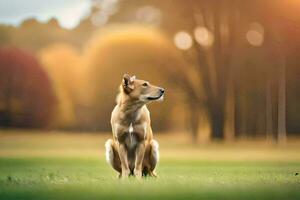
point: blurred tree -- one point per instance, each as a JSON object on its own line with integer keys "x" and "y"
{"x": 214, "y": 25}
{"x": 5, "y": 34}
{"x": 34, "y": 35}
{"x": 26, "y": 95}
{"x": 282, "y": 23}
{"x": 137, "y": 50}
{"x": 68, "y": 76}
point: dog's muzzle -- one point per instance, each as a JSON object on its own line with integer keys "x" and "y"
{"x": 162, "y": 91}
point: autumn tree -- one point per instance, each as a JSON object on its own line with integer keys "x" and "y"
{"x": 26, "y": 94}
{"x": 67, "y": 73}
{"x": 136, "y": 50}
{"x": 282, "y": 23}
{"x": 215, "y": 26}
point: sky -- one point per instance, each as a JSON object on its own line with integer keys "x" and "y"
{"x": 67, "y": 12}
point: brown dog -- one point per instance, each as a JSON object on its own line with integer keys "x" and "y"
{"x": 133, "y": 151}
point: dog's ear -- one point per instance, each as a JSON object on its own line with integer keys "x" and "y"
{"x": 127, "y": 84}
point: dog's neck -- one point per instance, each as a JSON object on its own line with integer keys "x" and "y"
{"x": 130, "y": 109}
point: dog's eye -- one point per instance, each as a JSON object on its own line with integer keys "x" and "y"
{"x": 145, "y": 84}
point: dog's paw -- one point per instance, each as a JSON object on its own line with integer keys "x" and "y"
{"x": 153, "y": 174}
{"x": 138, "y": 173}
{"x": 125, "y": 174}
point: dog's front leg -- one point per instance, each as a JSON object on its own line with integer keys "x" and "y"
{"x": 139, "y": 157}
{"x": 124, "y": 160}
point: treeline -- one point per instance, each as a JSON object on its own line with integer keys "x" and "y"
{"x": 76, "y": 90}
{"x": 238, "y": 77}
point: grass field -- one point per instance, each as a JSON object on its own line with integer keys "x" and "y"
{"x": 37, "y": 165}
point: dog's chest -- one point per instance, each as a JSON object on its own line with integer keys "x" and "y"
{"x": 131, "y": 140}
{"x": 131, "y": 135}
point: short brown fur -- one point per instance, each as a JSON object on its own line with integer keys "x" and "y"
{"x": 133, "y": 151}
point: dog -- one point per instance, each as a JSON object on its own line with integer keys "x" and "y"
{"x": 133, "y": 151}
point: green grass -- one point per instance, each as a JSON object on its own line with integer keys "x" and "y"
{"x": 58, "y": 172}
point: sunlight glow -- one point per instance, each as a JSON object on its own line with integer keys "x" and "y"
{"x": 106, "y": 9}
{"x": 183, "y": 40}
{"x": 255, "y": 34}
{"x": 148, "y": 14}
{"x": 203, "y": 36}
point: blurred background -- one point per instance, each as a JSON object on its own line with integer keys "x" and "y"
{"x": 230, "y": 67}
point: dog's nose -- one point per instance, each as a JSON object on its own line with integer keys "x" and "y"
{"x": 162, "y": 90}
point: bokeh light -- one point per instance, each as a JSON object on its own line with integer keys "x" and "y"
{"x": 203, "y": 36}
{"x": 255, "y": 34}
{"x": 183, "y": 40}
{"x": 105, "y": 8}
{"x": 148, "y": 14}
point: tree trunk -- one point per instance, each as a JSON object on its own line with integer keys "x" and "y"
{"x": 194, "y": 123}
{"x": 269, "y": 112}
{"x": 229, "y": 127}
{"x": 282, "y": 102}
{"x": 217, "y": 123}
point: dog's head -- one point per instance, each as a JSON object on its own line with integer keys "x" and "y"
{"x": 140, "y": 90}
